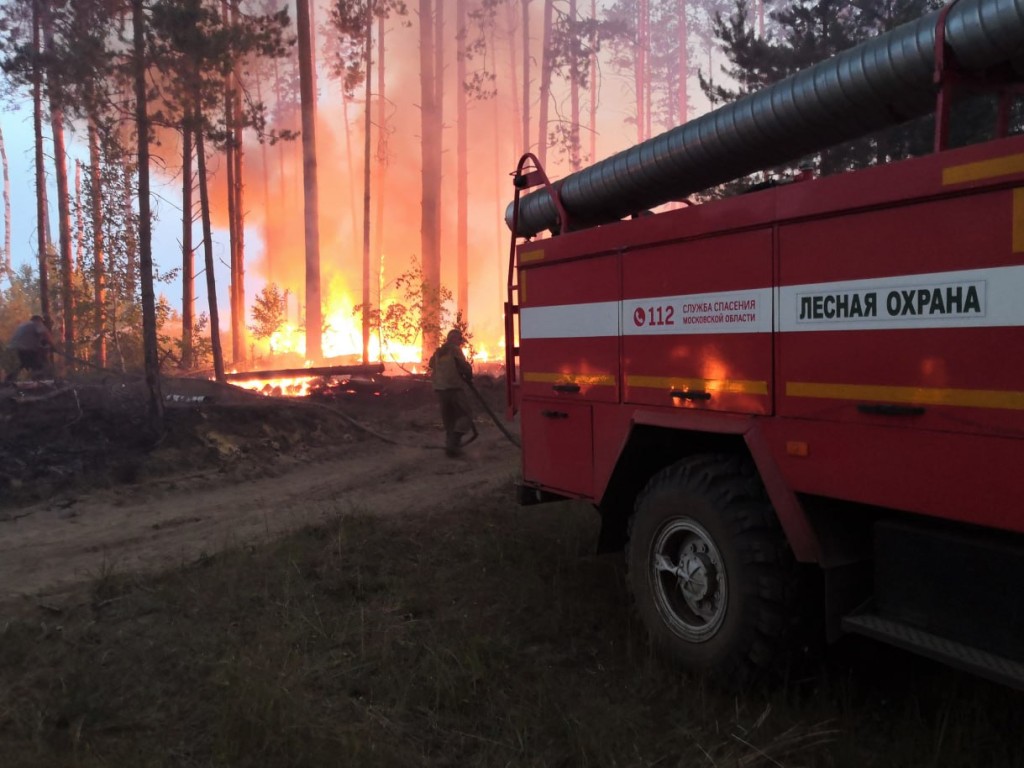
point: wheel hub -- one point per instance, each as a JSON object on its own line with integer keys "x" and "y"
{"x": 693, "y": 575}
{"x": 689, "y": 580}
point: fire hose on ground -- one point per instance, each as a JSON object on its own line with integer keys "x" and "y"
{"x": 384, "y": 438}
{"x": 497, "y": 422}
{"x": 391, "y": 441}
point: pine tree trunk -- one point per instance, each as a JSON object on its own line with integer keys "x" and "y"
{"x": 188, "y": 297}
{"x": 37, "y": 127}
{"x": 593, "y": 85}
{"x": 518, "y": 147}
{"x": 60, "y": 167}
{"x": 314, "y": 319}
{"x": 439, "y": 49}
{"x": 233, "y": 308}
{"x": 640, "y": 70}
{"x": 236, "y": 228}
{"x": 6, "y": 262}
{"x": 574, "y": 96}
{"x": 349, "y": 158}
{"x": 238, "y": 331}
{"x": 498, "y": 157}
{"x": 51, "y": 252}
{"x": 367, "y": 125}
{"x": 382, "y": 166}
{"x": 131, "y": 246}
{"x": 439, "y": 59}
{"x": 79, "y": 221}
{"x": 211, "y": 280}
{"x": 430, "y": 171}
{"x": 265, "y": 163}
{"x": 683, "y": 67}
{"x": 281, "y": 145}
{"x": 462, "y": 172}
{"x": 311, "y": 12}
{"x": 149, "y": 342}
{"x": 98, "y": 256}
{"x": 526, "y": 75}
{"x": 648, "y": 85}
{"x": 237, "y": 352}
{"x": 545, "y": 85}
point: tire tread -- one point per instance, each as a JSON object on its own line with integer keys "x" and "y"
{"x": 731, "y": 484}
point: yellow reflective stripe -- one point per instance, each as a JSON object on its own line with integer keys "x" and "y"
{"x": 537, "y": 254}
{"x": 969, "y": 398}
{"x": 1018, "y": 220}
{"x": 732, "y": 386}
{"x": 984, "y": 169}
{"x": 592, "y": 379}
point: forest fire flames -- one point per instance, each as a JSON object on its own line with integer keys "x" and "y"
{"x": 342, "y": 345}
{"x": 342, "y": 338}
{"x": 301, "y": 386}
{"x": 274, "y": 221}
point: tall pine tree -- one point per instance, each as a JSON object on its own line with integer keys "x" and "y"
{"x": 803, "y": 33}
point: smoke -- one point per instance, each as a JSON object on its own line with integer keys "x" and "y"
{"x": 273, "y": 175}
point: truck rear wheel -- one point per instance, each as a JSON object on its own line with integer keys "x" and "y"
{"x": 710, "y": 570}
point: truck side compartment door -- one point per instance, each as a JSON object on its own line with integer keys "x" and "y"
{"x": 697, "y": 323}
{"x": 898, "y": 357}
{"x": 905, "y": 316}
{"x": 569, "y": 358}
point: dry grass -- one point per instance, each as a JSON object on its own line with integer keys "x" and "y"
{"x": 485, "y": 635}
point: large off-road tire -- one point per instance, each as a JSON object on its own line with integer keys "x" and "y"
{"x": 711, "y": 574}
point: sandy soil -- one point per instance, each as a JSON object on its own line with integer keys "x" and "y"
{"x": 49, "y": 546}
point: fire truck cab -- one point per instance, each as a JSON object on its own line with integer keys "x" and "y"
{"x": 808, "y": 395}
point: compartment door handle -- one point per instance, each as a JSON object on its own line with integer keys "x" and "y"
{"x": 887, "y": 409}
{"x": 554, "y": 414}
{"x": 692, "y": 394}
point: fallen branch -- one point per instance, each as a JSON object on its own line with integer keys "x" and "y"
{"x": 42, "y": 398}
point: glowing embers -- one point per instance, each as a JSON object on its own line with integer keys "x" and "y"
{"x": 291, "y": 387}
{"x": 333, "y": 387}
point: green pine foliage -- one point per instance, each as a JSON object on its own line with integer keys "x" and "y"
{"x": 799, "y": 35}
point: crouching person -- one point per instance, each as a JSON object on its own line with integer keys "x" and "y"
{"x": 449, "y": 368}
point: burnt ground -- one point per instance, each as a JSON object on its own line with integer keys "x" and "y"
{"x": 84, "y": 485}
{"x": 71, "y": 436}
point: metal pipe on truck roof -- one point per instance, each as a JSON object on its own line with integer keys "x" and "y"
{"x": 884, "y": 81}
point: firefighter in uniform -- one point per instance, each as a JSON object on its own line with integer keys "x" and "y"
{"x": 32, "y": 341}
{"x": 449, "y": 369}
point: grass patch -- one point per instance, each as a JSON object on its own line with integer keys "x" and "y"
{"x": 486, "y": 635}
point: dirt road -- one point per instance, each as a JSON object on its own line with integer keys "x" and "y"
{"x": 49, "y": 546}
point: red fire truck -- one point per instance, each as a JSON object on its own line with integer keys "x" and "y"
{"x": 811, "y": 394}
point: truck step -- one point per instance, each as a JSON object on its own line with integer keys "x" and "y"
{"x": 988, "y": 665}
